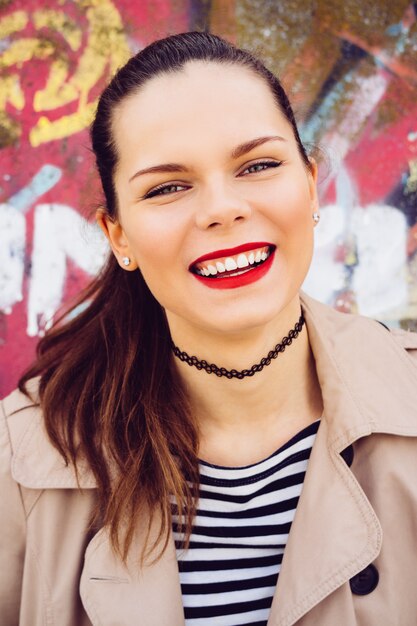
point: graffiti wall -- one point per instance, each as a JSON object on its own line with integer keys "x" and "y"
{"x": 351, "y": 70}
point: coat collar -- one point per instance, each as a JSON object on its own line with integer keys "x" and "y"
{"x": 367, "y": 379}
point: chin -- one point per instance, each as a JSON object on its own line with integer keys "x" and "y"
{"x": 242, "y": 320}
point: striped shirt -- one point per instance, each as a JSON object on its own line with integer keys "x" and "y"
{"x": 244, "y": 515}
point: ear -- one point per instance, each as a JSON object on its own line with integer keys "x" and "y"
{"x": 312, "y": 184}
{"x": 117, "y": 239}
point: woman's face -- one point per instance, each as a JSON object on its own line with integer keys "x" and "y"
{"x": 215, "y": 202}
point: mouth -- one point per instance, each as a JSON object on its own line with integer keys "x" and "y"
{"x": 234, "y": 267}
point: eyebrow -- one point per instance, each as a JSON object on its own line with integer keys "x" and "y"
{"x": 160, "y": 169}
{"x": 243, "y": 148}
{"x": 236, "y": 153}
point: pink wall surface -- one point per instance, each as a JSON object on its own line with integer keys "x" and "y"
{"x": 351, "y": 70}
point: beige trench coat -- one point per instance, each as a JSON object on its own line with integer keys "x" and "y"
{"x": 53, "y": 573}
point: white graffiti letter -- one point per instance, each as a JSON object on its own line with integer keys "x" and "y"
{"x": 59, "y": 232}
{"x": 12, "y": 256}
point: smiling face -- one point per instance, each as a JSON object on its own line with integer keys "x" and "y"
{"x": 215, "y": 201}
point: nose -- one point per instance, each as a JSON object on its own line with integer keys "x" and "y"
{"x": 221, "y": 207}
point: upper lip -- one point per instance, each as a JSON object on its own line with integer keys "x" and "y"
{"x": 217, "y": 254}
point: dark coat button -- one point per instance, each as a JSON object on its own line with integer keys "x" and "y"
{"x": 365, "y": 582}
{"x": 347, "y": 454}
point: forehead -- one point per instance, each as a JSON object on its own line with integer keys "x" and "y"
{"x": 228, "y": 101}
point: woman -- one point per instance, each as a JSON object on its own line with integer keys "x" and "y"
{"x": 154, "y": 456}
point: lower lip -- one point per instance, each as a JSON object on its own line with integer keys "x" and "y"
{"x": 232, "y": 282}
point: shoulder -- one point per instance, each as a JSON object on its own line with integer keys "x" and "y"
{"x": 367, "y": 373}
{"x": 34, "y": 461}
{"x": 352, "y": 327}
{"x": 361, "y": 353}
{"x": 19, "y": 411}
{"x": 407, "y": 340}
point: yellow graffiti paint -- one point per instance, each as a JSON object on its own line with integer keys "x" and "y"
{"x": 24, "y": 50}
{"x": 10, "y": 91}
{"x": 12, "y": 23}
{"x": 105, "y": 28}
{"x": 57, "y": 91}
{"x": 106, "y": 50}
{"x": 64, "y": 127}
{"x": 57, "y": 20}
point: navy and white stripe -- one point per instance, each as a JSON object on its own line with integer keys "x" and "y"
{"x": 244, "y": 515}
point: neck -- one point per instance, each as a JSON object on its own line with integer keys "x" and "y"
{"x": 212, "y": 368}
{"x": 244, "y": 420}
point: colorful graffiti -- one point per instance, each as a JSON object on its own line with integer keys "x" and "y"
{"x": 351, "y": 69}
{"x": 55, "y": 57}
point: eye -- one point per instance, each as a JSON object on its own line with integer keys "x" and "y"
{"x": 164, "y": 190}
{"x": 259, "y": 166}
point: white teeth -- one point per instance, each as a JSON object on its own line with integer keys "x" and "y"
{"x": 230, "y": 264}
{"x": 242, "y": 261}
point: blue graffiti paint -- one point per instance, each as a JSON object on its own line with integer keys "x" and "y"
{"x": 47, "y": 177}
{"x": 401, "y": 32}
{"x": 311, "y": 129}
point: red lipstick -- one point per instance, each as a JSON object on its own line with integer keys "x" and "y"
{"x": 218, "y": 254}
{"x": 240, "y": 276}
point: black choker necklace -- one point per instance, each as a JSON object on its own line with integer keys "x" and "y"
{"x": 210, "y": 368}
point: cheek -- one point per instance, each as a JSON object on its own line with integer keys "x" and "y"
{"x": 293, "y": 216}
{"x": 290, "y": 208}
{"x": 156, "y": 241}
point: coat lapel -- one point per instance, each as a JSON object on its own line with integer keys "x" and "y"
{"x": 368, "y": 385}
{"x": 335, "y": 534}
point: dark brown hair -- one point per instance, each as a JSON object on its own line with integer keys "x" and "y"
{"x": 108, "y": 387}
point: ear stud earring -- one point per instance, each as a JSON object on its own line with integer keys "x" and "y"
{"x": 316, "y": 217}
{"x": 126, "y": 260}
